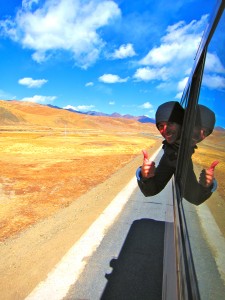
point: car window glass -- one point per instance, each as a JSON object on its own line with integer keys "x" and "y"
{"x": 206, "y": 220}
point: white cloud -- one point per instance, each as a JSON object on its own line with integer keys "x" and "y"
{"x": 179, "y": 95}
{"x": 188, "y": 71}
{"x": 182, "y": 83}
{"x": 146, "y": 105}
{"x": 32, "y": 83}
{"x": 89, "y": 84}
{"x": 180, "y": 87}
{"x": 213, "y": 81}
{"x": 212, "y": 77}
{"x": 147, "y": 74}
{"x": 179, "y": 44}
{"x": 111, "y": 102}
{"x": 213, "y": 63}
{"x": 174, "y": 56}
{"x": 69, "y": 25}
{"x": 110, "y": 78}
{"x": 80, "y": 107}
{"x": 161, "y": 55}
{"x": 124, "y": 51}
{"x": 27, "y": 4}
{"x": 40, "y": 99}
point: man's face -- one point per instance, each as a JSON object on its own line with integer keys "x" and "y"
{"x": 199, "y": 134}
{"x": 170, "y": 131}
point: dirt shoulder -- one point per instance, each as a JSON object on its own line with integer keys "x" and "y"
{"x": 27, "y": 258}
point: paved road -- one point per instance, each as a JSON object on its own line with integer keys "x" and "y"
{"x": 118, "y": 257}
{"x": 128, "y": 264}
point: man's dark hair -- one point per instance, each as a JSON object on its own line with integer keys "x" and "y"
{"x": 170, "y": 111}
{"x": 205, "y": 118}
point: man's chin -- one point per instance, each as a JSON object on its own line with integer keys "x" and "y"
{"x": 170, "y": 141}
{"x": 194, "y": 142}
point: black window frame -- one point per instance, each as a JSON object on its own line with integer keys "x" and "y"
{"x": 187, "y": 286}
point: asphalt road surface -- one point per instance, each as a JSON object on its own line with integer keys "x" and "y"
{"x": 119, "y": 257}
{"x": 128, "y": 264}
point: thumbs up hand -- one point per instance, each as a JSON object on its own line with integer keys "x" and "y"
{"x": 206, "y": 177}
{"x": 148, "y": 167}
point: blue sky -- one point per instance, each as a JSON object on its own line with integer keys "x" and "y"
{"x": 111, "y": 56}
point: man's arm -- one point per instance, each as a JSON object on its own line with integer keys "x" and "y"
{"x": 154, "y": 185}
{"x": 197, "y": 192}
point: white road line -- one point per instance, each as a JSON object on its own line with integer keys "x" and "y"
{"x": 214, "y": 236}
{"x": 67, "y": 271}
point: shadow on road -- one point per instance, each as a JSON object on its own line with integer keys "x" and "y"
{"x": 138, "y": 271}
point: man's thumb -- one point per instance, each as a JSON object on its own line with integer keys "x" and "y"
{"x": 145, "y": 154}
{"x": 213, "y": 165}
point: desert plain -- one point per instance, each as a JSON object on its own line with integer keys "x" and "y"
{"x": 59, "y": 170}
{"x": 43, "y": 172}
{"x": 50, "y": 157}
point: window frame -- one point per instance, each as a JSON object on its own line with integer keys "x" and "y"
{"x": 187, "y": 286}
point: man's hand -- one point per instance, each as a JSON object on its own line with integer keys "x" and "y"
{"x": 148, "y": 167}
{"x": 207, "y": 176}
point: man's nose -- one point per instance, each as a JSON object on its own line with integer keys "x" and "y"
{"x": 203, "y": 135}
{"x": 164, "y": 127}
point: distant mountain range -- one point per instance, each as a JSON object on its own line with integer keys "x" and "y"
{"x": 141, "y": 119}
{"x": 33, "y": 116}
{"x": 19, "y": 112}
{"x": 219, "y": 128}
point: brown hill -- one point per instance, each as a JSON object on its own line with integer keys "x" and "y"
{"x": 30, "y": 115}
{"x": 7, "y": 117}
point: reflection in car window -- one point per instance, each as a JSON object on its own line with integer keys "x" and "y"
{"x": 206, "y": 222}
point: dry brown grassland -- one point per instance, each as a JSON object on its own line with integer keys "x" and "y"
{"x": 50, "y": 157}
{"x": 44, "y": 171}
